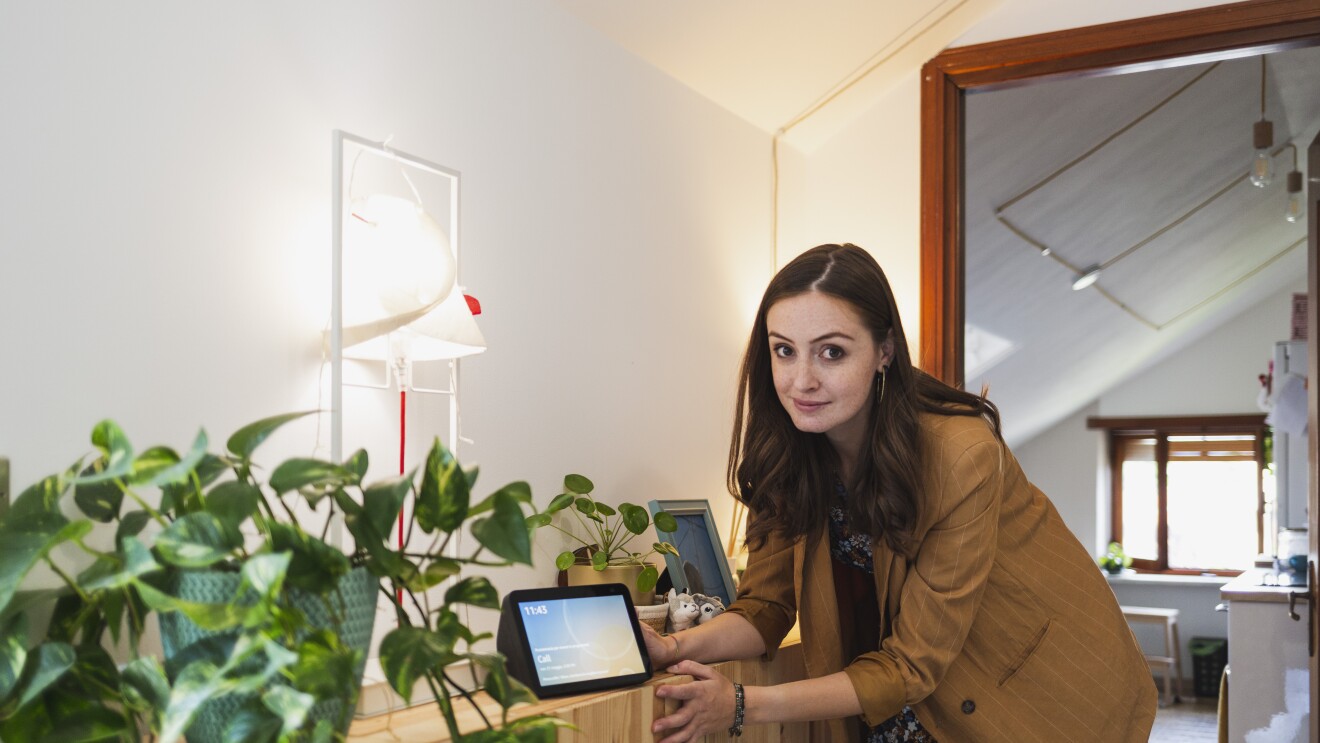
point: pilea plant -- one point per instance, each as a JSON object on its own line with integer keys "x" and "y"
{"x": 609, "y": 531}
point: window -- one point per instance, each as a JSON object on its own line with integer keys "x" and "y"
{"x": 1190, "y": 494}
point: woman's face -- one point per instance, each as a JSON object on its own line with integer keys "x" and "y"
{"x": 824, "y": 361}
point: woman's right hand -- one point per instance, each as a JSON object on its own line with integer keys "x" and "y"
{"x": 662, "y": 649}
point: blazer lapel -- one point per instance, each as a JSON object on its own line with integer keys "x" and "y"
{"x": 818, "y": 609}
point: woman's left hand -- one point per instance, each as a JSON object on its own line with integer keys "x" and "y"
{"x": 706, "y": 704}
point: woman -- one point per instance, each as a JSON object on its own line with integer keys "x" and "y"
{"x": 939, "y": 594}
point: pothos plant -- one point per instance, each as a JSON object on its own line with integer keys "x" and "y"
{"x": 170, "y": 513}
{"x": 611, "y": 530}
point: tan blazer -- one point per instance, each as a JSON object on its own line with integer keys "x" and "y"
{"x": 1001, "y": 629}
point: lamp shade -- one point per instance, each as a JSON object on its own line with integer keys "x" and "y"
{"x": 397, "y": 262}
{"x": 400, "y": 300}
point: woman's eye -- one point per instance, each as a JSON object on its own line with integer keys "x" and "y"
{"x": 832, "y": 353}
{"x": 782, "y": 351}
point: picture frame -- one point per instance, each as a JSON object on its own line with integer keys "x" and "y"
{"x": 700, "y": 566}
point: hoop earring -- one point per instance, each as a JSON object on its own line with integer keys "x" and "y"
{"x": 880, "y": 386}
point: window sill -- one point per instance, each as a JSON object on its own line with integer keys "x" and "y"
{"x": 1158, "y": 579}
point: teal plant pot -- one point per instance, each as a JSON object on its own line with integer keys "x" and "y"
{"x": 177, "y": 632}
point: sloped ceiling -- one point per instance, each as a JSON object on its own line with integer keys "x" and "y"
{"x": 1205, "y": 264}
{"x": 769, "y": 60}
{"x": 765, "y": 60}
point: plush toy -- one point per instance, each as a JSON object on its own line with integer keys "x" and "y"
{"x": 710, "y": 606}
{"x": 683, "y": 611}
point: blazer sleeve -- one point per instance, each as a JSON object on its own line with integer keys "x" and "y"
{"x": 944, "y": 582}
{"x": 766, "y": 595}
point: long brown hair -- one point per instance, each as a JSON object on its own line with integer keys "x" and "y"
{"x": 785, "y": 476}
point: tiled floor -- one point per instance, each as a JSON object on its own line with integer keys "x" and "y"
{"x": 1190, "y": 721}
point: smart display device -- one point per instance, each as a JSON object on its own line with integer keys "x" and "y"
{"x": 573, "y": 640}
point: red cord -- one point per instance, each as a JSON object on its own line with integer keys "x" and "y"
{"x": 403, "y": 418}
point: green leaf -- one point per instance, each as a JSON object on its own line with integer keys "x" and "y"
{"x": 470, "y": 474}
{"x": 206, "y": 616}
{"x": 565, "y": 560}
{"x": 131, "y": 524}
{"x": 45, "y": 666}
{"x": 505, "y": 532}
{"x": 196, "y": 540}
{"x": 499, "y": 685}
{"x": 144, "y": 684}
{"x": 317, "y": 476}
{"x": 357, "y": 464}
{"x": 665, "y": 522}
{"x": 37, "y": 507}
{"x": 21, "y": 552}
{"x": 182, "y": 497}
{"x": 150, "y": 462}
{"x": 476, "y": 591}
{"x": 116, "y": 451}
{"x": 521, "y": 492}
{"x": 246, "y": 439}
{"x": 233, "y": 502}
{"x": 578, "y": 484}
{"x": 290, "y": 705}
{"x": 13, "y": 653}
{"x": 382, "y": 501}
{"x": 137, "y": 562}
{"x": 324, "y": 667}
{"x": 196, "y": 684}
{"x": 23, "y": 549}
{"x": 604, "y": 509}
{"x": 599, "y": 560}
{"x": 437, "y": 571}
{"x": 635, "y": 518}
{"x": 265, "y": 573}
{"x": 316, "y": 567}
{"x": 443, "y": 501}
{"x": 252, "y": 723}
{"x": 181, "y": 469}
{"x": 76, "y": 719}
{"x": 647, "y": 580}
{"x": 665, "y": 548}
{"x": 407, "y": 653}
{"x": 382, "y": 561}
{"x": 537, "y": 520}
{"x": 100, "y": 500}
{"x": 560, "y": 502}
{"x": 586, "y": 505}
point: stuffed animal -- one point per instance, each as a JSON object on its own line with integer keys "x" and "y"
{"x": 683, "y": 611}
{"x": 710, "y": 606}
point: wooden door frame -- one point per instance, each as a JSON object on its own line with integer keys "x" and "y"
{"x": 1196, "y": 36}
{"x": 1191, "y": 37}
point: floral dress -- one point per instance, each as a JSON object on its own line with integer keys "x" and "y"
{"x": 854, "y": 564}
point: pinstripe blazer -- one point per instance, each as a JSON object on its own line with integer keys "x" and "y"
{"x": 1001, "y": 628}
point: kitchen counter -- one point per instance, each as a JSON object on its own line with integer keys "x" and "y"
{"x": 1255, "y": 585}
{"x": 1269, "y": 687}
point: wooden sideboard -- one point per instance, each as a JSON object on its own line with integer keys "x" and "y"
{"x": 622, "y": 716}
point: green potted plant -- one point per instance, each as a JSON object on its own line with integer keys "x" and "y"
{"x": 274, "y": 647}
{"x": 606, "y": 557}
{"x": 1115, "y": 560}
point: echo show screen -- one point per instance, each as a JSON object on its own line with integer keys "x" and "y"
{"x": 581, "y": 639}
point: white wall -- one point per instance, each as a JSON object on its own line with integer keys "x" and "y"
{"x": 165, "y": 232}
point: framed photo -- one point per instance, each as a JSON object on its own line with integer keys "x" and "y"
{"x": 700, "y": 566}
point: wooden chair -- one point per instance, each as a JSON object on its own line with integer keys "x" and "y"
{"x": 1170, "y": 664}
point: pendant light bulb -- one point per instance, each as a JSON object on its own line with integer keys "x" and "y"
{"x": 1296, "y": 209}
{"x": 1262, "y": 167}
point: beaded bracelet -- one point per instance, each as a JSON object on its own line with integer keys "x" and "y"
{"x": 738, "y": 703}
